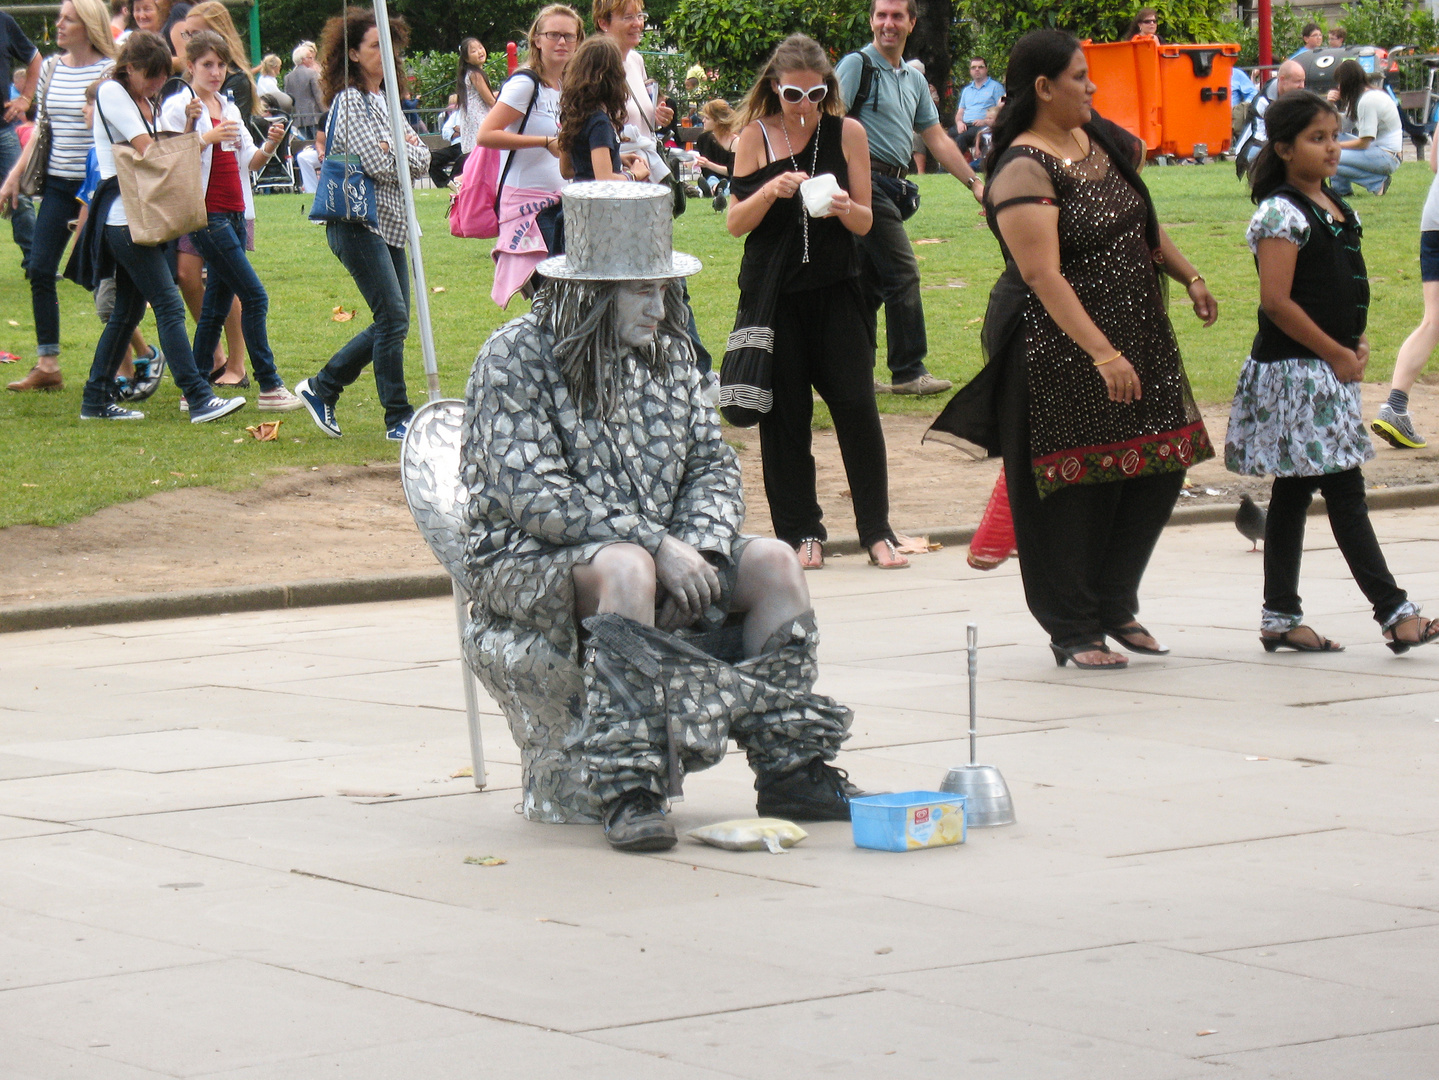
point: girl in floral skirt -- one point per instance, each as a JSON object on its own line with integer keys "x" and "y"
{"x": 1296, "y": 411}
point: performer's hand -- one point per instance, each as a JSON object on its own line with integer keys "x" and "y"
{"x": 689, "y": 580}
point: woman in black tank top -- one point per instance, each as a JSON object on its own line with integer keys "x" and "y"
{"x": 799, "y": 299}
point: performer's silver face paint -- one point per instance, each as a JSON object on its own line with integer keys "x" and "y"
{"x": 639, "y": 307}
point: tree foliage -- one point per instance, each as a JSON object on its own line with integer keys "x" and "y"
{"x": 734, "y": 37}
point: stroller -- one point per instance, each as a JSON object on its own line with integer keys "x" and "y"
{"x": 279, "y": 172}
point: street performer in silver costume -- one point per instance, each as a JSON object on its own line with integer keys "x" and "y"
{"x": 625, "y": 626}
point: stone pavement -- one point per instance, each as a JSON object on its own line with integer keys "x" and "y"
{"x": 234, "y": 847}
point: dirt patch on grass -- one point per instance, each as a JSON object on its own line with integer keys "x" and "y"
{"x": 342, "y": 521}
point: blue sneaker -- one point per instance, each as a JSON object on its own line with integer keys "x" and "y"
{"x": 215, "y": 408}
{"x": 111, "y": 412}
{"x": 320, "y": 410}
{"x": 397, "y": 433}
{"x": 148, "y": 372}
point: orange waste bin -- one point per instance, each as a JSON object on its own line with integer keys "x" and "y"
{"x": 1194, "y": 87}
{"x": 1127, "y": 86}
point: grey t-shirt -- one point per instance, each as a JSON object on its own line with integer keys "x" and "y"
{"x": 898, "y": 105}
{"x": 1429, "y": 219}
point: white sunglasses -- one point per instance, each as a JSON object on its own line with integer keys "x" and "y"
{"x": 795, "y": 94}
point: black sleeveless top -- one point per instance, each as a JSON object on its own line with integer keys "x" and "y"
{"x": 1331, "y": 282}
{"x": 833, "y": 249}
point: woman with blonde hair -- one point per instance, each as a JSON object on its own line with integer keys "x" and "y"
{"x": 800, "y": 281}
{"x": 87, "y": 50}
{"x": 525, "y": 124}
{"x": 213, "y": 15}
{"x": 716, "y": 147}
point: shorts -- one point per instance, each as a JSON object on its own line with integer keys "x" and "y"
{"x": 188, "y": 248}
{"x": 105, "y": 298}
{"x": 1429, "y": 255}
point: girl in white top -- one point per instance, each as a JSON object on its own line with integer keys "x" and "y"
{"x": 533, "y": 180}
{"x": 1369, "y": 154}
{"x": 472, "y": 91}
{"x": 83, "y": 34}
{"x": 624, "y": 21}
{"x": 228, "y": 158}
{"x": 125, "y": 111}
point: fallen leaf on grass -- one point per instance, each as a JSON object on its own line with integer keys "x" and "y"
{"x": 339, "y": 314}
{"x": 438, "y": 288}
{"x": 933, "y": 240}
{"x": 28, "y": 485}
{"x": 468, "y": 770}
{"x": 12, "y": 322}
{"x": 484, "y": 860}
{"x": 179, "y": 474}
{"x": 973, "y": 321}
{"x": 154, "y": 481}
{"x": 268, "y": 431}
{"x": 237, "y": 440}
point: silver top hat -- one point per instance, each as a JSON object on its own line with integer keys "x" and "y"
{"x": 617, "y": 230}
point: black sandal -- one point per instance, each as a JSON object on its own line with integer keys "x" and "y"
{"x": 1398, "y": 646}
{"x": 1287, "y": 640}
{"x": 1063, "y": 654}
{"x": 1118, "y": 633}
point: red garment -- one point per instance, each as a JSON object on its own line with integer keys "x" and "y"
{"x": 224, "y": 193}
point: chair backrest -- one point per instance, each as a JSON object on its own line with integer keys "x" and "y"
{"x": 434, "y": 142}
{"x": 430, "y": 477}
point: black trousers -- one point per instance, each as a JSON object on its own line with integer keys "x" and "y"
{"x": 823, "y": 341}
{"x": 1082, "y": 550}
{"x": 1349, "y": 518}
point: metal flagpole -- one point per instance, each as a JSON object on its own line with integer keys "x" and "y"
{"x": 398, "y": 127}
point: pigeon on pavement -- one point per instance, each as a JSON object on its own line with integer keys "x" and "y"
{"x": 1249, "y": 520}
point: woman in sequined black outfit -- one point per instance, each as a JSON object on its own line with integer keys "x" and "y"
{"x": 792, "y": 127}
{"x": 1098, "y": 423}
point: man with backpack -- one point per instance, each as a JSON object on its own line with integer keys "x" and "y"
{"x": 1253, "y": 136}
{"x": 892, "y": 101}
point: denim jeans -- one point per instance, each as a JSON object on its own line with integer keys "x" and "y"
{"x": 382, "y": 275}
{"x": 22, "y": 216}
{"x": 221, "y": 244}
{"x": 1369, "y": 168}
{"x": 58, "y": 208}
{"x": 891, "y": 278}
{"x": 141, "y": 275}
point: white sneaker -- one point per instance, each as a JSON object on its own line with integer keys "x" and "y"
{"x": 279, "y": 400}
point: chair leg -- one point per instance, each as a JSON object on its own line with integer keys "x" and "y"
{"x": 467, "y": 677}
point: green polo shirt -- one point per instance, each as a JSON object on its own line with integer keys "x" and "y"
{"x": 898, "y": 105}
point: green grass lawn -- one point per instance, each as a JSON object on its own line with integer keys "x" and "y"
{"x": 55, "y": 469}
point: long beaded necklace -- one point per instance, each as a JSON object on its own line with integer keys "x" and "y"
{"x": 813, "y": 162}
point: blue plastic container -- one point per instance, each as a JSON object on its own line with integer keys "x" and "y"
{"x": 907, "y": 820}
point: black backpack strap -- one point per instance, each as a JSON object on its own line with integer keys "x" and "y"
{"x": 510, "y": 158}
{"x": 866, "y": 84}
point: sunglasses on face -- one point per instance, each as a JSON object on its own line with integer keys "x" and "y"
{"x": 794, "y": 94}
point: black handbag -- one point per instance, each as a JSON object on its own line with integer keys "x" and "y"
{"x": 903, "y": 193}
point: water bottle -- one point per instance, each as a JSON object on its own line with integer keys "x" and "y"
{"x": 229, "y": 145}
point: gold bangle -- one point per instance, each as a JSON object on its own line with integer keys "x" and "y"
{"x": 1116, "y": 356}
{"x": 1191, "y": 281}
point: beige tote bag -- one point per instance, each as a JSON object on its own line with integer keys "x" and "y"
{"x": 161, "y": 188}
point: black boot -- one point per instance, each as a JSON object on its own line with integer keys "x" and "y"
{"x": 636, "y": 822}
{"x": 816, "y": 791}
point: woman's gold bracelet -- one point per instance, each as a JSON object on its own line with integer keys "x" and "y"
{"x": 1116, "y": 356}
{"x": 1191, "y": 281}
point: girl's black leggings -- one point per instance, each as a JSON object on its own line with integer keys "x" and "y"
{"x": 1349, "y": 518}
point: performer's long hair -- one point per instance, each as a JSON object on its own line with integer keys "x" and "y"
{"x": 580, "y": 315}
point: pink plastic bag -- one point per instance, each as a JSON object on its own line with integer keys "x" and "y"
{"x": 472, "y": 212}
{"x": 993, "y": 541}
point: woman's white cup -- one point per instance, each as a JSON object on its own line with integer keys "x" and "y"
{"x": 818, "y": 192}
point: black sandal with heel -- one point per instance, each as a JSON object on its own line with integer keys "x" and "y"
{"x": 1286, "y": 640}
{"x": 1063, "y": 654}
{"x": 1398, "y": 646}
{"x": 1122, "y": 634}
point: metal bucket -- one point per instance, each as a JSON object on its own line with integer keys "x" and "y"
{"x": 986, "y": 795}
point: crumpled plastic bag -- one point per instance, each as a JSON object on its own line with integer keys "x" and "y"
{"x": 751, "y": 834}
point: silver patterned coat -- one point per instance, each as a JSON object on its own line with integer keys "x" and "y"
{"x": 549, "y": 486}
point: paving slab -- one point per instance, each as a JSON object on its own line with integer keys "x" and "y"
{"x": 255, "y": 824}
